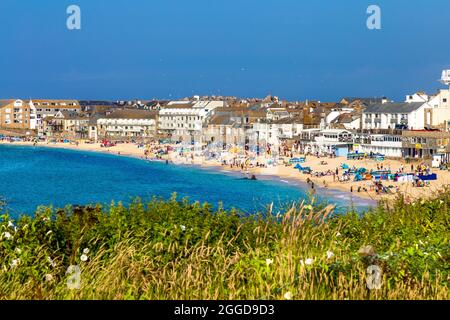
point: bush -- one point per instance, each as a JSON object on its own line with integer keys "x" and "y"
{"x": 180, "y": 250}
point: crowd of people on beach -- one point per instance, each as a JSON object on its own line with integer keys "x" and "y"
{"x": 244, "y": 160}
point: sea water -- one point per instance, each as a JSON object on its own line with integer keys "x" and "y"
{"x": 34, "y": 176}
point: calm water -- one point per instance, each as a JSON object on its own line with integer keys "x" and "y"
{"x": 30, "y": 177}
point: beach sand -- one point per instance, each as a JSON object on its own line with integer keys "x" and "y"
{"x": 286, "y": 172}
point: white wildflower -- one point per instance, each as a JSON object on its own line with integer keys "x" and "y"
{"x": 48, "y": 278}
{"x": 18, "y": 250}
{"x": 330, "y": 254}
{"x": 309, "y": 261}
{"x": 6, "y": 235}
{"x": 269, "y": 262}
{"x": 183, "y": 228}
{"x": 10, "y": 224}
{"x": 338, "y": 234}
{"x": 84, "y": 258}
{"x": 85, "y": 250}
{"x": 52, "y": 263}
{"x": 15, "y": 263}
{"x": 288, "y": 295}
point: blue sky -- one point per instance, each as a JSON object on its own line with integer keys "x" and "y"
{"x": 295, "y": 49}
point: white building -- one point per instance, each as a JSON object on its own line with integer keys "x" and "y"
{"x": 387, "y": 144}
{"x": 348, "y": 121}
{"x": 431, "y": 112}
{"x": 273, "y": 132}
{"x": 184, "y": 120}
{"x": 409, "y": 115}
{"x": 327, "y": 141}
{"x": 129, "y": 123}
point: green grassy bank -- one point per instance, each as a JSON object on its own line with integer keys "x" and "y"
{"x": 180, "y": 250}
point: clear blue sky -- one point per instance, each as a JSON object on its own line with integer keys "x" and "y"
{"x": 295, "y": 49}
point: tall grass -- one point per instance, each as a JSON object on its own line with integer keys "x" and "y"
{"x": 180, "y": 250}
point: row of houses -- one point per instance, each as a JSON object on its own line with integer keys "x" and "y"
{"x": 417, "y": 127}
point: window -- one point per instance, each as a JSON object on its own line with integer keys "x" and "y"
{"x": 444, "y": 100}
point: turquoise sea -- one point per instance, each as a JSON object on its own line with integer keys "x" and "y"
{"x": 33, "y": 176}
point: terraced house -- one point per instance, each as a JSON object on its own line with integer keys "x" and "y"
{"x": 127, "y": 124}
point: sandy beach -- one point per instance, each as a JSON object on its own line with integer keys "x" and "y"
{"x": 286, "y": 172}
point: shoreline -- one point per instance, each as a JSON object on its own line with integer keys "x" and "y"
{"x": 131, "y": 151}
{"x": 323, "y": 185}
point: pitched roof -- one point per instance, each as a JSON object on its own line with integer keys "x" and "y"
{"x": 224, "y": 120}
{"x": 390, "y": 107}
{"x": 345, "y": 118}
{"x": 368, "y": 101}
{"x": 5, "y": 102}
{"x": 178, "y": 106}
{"x": 289, "y": 120}
{"x": 132, "y": 114}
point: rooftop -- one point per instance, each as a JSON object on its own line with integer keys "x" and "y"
{"x": 391, "y": 107}
{"x": 132, "y": 114}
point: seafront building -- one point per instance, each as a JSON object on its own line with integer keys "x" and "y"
{"x": 14, "y": 114}
{"x": 416, "y": 128}
{"x": 184, "y": 120}
{"x": 127, "y": 124}
{"x": 419, "y": 112}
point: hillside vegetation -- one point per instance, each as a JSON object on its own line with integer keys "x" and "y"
{"x": 180, "y": 250}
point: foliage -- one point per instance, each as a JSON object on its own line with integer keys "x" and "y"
{"x": 181, "y": 250}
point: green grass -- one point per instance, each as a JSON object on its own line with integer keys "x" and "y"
{"x": 181, "y": 250}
